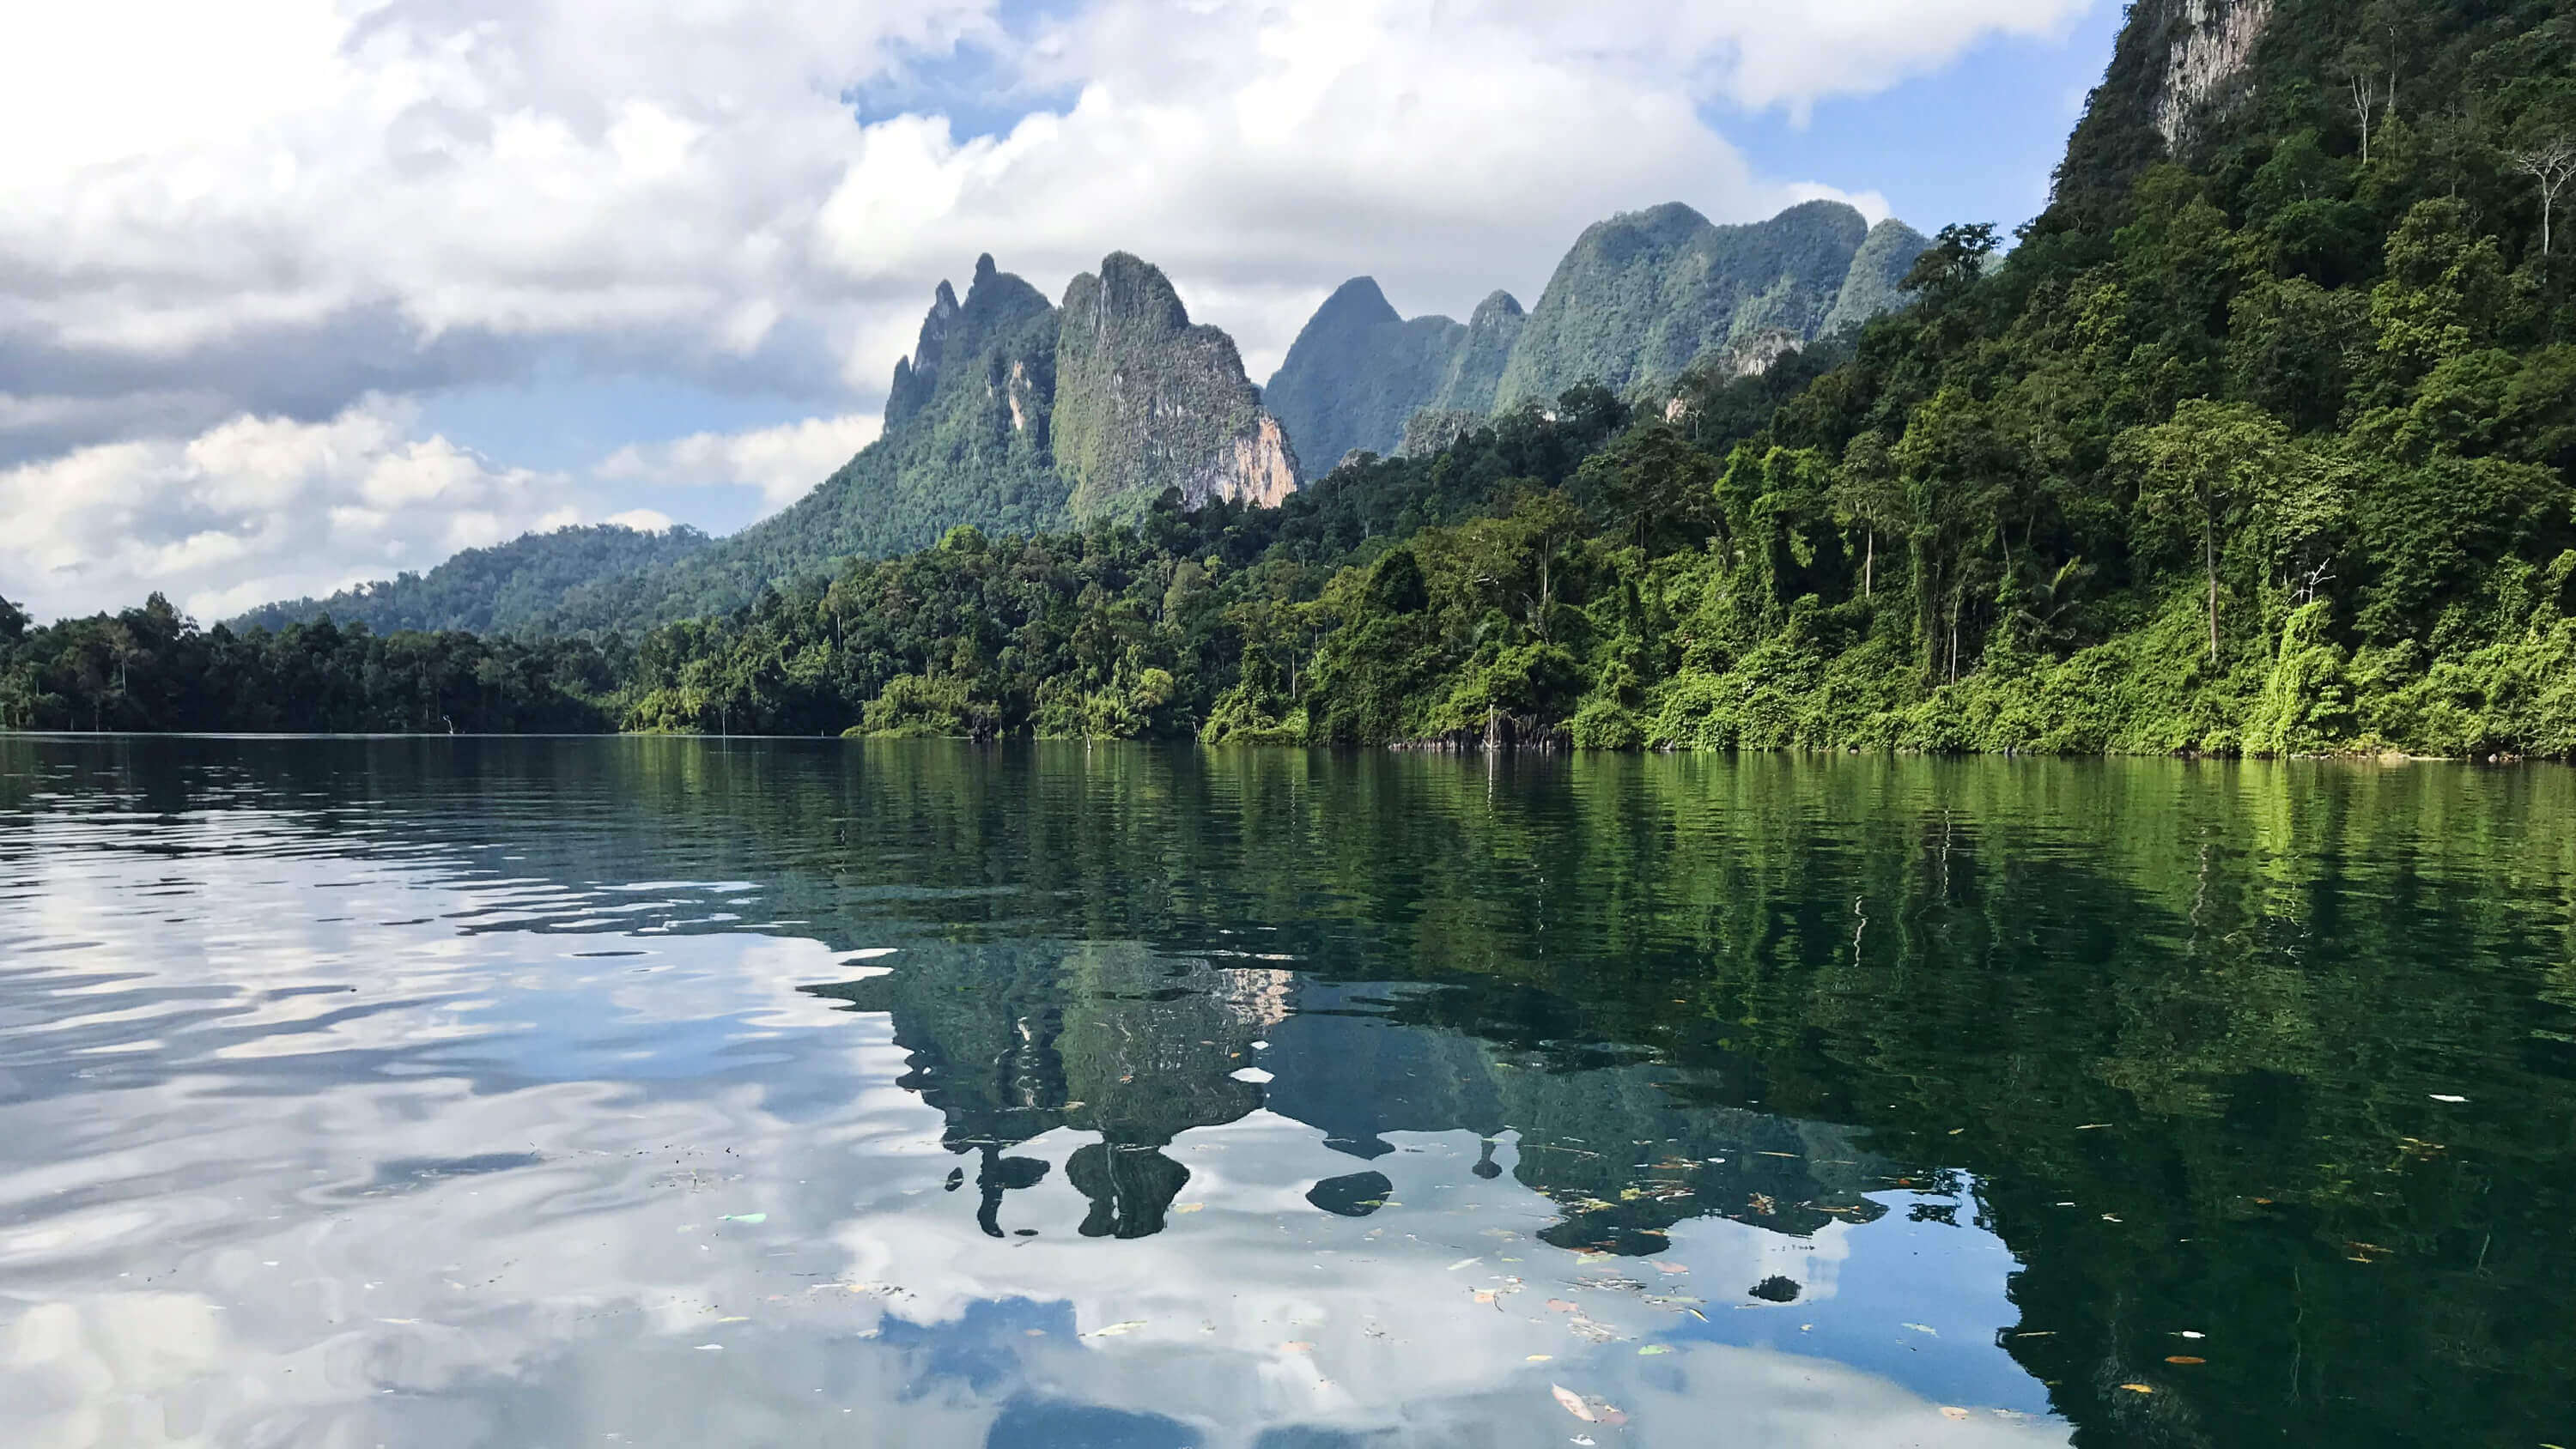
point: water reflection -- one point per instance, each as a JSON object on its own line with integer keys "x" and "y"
{"x": 663, "y": 1092}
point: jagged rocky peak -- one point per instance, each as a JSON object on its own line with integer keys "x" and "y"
{"x": 956, "y": 336}
{"x": 1145, "y": 400}
{"x": 1127, "y": 291}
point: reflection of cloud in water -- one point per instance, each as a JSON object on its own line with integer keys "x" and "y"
{"x": 503, "y": 1192}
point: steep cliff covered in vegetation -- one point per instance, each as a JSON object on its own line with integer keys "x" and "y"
{"x": 1638, "y": 300}
{"x": 1146, "y": 401}
{"x": 1357, "y": 371}
{"x": 1643, "y": 296}
{"x": 1011, "y": 415}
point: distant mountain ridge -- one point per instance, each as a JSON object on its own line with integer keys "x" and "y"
{"x": 498, "y": 590}
{"x": 1020, "y": 415}
{"x": 1637, "y": 300}
{"x": 1012, "y": 414}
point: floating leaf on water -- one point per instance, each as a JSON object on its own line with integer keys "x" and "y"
{"x": 752, "y": 1218}
{"x": 1538, "y": 1358}
{"x": 1188, "y": 1207}
{"x": 1952, "y": 1412}
{"x": 2139, "y": 1388}
{"x": 1650, "y": 1350}
{"x": 2183, "y": 1358}
{"x": 1572, "y": 1403}
{"x": 1297, "y": 1345}
{"x": 1464, "y": 1263}
{"x": 1559, "y": 1305}
{"x": 1664, "y": 1267}
{"x": 1484, "y": 1295}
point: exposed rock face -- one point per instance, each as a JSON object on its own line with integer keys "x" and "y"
{"x": 2179, "y": 69}
{"x": 1146, "y": 401}
{"x": 2211, "y": 45}
{"x": 1254, "y": 467}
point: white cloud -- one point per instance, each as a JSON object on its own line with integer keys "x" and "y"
{"x": 782, "y": 462}
{"x": 281, "y": 209}
{"x": 257, "y": 509}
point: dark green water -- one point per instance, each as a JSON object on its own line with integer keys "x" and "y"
{"x": 652, "y": 1092}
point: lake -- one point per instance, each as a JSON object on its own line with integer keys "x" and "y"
{"x": 688, "y": 1092}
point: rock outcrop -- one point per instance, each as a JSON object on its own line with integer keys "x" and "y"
{"x": 2211, "y": 43}
{"x": 1147, "y": 401}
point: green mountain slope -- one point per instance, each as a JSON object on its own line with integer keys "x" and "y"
{"x": 1357, "y": 371}
{"x": 496, "y": 590}
{"x": 1636, "y": 302}
{"x": 1013, "y": 416}
{"x": 1875, "y": 282}
{"x": 1145, "y": 401}
{"x": 1642, "y": 296}
{"x": 965, "y": 441}
{"x": 1493, "y": 329}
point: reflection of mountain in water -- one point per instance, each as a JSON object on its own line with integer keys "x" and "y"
{"x": 2222, "y": 1010}
{"x": 1010, "y": 1043}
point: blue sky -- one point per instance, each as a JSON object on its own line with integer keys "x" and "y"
{"x": 322, "y": 290}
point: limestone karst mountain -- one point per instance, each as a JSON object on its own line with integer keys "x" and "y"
{"x": 1013, "y": 415}
{"x": 1638, "y": 298}
{"x": 1146, "y": 401}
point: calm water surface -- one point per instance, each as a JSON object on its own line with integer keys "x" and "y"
{"x": 651, "y": 1092}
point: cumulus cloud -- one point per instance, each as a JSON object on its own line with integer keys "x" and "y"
{"x": 280, "y": 210}
{"x": 782, "y": 462}
{"x": 257, "y": 509}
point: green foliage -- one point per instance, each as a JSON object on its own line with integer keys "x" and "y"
{"x": 151, "y": 668}
{"x": 505, "y": 589}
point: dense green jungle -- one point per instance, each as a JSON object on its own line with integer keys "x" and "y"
{"x": 2256, "y": 443}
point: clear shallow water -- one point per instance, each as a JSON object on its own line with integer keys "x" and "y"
{"x": 670, "y": 1092}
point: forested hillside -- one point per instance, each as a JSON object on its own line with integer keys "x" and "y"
{"x": 2256, "y": 441}
{"x": 498, "y": 590}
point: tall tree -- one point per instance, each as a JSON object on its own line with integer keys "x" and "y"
{"x": 2206, "y": 467}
